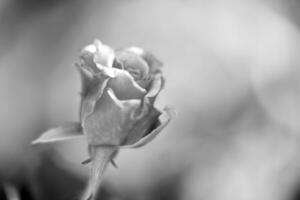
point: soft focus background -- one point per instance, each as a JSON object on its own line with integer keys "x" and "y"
{"x": 233, "y": 75}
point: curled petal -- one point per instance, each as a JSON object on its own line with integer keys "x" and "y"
{"x": 124, "y": 85}
{"x": 89, "y": 80}
{"x": 163, "y": 121}
{"x": 141, "y": 123}
{"x": 95, "y": 55}
{"x": 104, "y": 55}
{"x": 150, "y": 59}
{"x": 67, "y": 131}
{"x": 133, "y": 63}
{"x": 155, "y": 87}
{"x": 149, "y": 99}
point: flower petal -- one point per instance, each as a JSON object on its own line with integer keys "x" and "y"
{"x": 87, "y": 79}
{"x": 165, "y": 118}
{"x": 106, "y": 125}
{"x": 124, "y": 85}
{"x": 67, "y": 131}
{"x": 155, "y": 87}
{"x": 92, "y": 87}
{"x": 133, "y": 63}
{"x": 150, "y": 59}
{"x": 142, "y": 122}
{"x": 104, "y": 55}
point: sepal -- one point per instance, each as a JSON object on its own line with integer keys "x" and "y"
{"x": 67, "y": 131}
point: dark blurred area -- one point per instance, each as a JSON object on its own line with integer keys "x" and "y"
{"x": 233, "y": 75}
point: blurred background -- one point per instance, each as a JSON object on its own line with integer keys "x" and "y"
{"x": 233, "y": 75}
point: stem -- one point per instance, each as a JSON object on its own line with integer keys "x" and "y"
{"x": 101, "y": 156}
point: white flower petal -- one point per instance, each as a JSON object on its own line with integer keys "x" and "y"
{"x": 104, "y": 55}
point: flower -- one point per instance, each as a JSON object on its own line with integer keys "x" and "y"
{"x": 119, "y": 89}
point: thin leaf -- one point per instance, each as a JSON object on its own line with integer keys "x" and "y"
{"x": 67, "y": 131}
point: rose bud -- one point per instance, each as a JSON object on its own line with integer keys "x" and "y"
{"x": 119, "y": 89}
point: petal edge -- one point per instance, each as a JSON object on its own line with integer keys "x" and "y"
{"x": 167, "y": 115}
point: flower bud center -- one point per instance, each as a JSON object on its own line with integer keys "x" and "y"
{"x": 135, "y": 65}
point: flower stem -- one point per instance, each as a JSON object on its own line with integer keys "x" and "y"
{"x": 101, "y": 156}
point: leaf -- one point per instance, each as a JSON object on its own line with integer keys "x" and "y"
{"x": 67, "y": 131}
{"x": 167, "y": 115}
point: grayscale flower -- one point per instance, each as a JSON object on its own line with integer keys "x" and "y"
{"x": 119, "y": 89}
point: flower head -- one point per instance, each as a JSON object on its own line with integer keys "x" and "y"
{"x": 118, "y": 94}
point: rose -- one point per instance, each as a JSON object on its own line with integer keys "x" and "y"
{"x": 118, "y": 93}
{"x": 117, "y": 109}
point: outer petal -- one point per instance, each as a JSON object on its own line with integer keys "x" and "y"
{"x": 92, "y": 87}
{"x": 142, "y": 124}
{"x": 67, "y": 131}
{"x": 155, "y": 87}
{"x": 90, "y": 80}
{"x": 107, "y": 125}
{"x": 146, "y": 117}
{"x": 147, "y": 107}
{"x": 163, "y": 121}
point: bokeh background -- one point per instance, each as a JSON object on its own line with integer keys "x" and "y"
{"x": 233, "y": 75}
